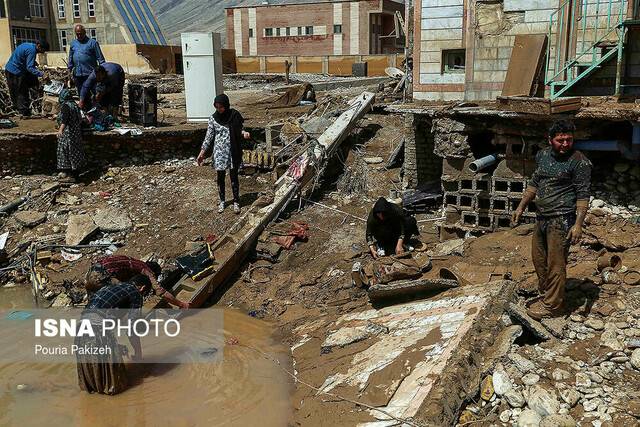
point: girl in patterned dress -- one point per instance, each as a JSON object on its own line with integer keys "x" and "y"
{"x": 70, "y": 155}
{"x": 226, "y": 133}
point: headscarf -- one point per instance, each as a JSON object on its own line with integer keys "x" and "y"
{"x": 222, "y": 119}
{"x": 381, "y": 206}
{"x": 64, "y": 96}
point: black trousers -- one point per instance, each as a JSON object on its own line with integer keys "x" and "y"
{"x": 19, "y": 86}
{"x": 235, "y": 184}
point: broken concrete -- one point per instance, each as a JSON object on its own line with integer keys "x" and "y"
{"x": 112, "y": 220}
{"x": 30, "y": 219}
{"x": 79, "y": 229}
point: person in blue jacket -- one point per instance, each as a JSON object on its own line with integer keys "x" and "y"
{"x": 84, "y": 56}
{"x": 106, "y": 82}
{"x": 22, "y": 74}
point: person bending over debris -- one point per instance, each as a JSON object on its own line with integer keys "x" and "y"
{"x": 226, "y": 133}
{"x": 70, "y": 155}
{"x": 84, "y": 56}
{"x": 121, "y": 268}
{"x": 106, "y": 373}
{"x": 22, "y": 74}
{"x": 388, "y": 228}
{"x": 107, "y": 83}
{"x": 560, "y": 186}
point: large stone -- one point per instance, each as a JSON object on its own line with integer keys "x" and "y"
{"x": 558, "y": 421}
{"x": 373, "y": 160}
{"x": 62, "y": 300}
{"x": 570, "y": 396}
{"x": 529, "y": 418}
{"x": 79, "y": 229}
{"x": 544, "y": 402}
{"x": 596, "y": 324}
{"x": 514, "y": 398}
{"x": 501, "y": 381}
{"x": 450, "y": 247}
{"x": 560, "y": 374}
{"x": 609, "y": 338}
{"x": 523, "y": 364}
{"x": 530, "y": 378}
{"x": 30, "y": 218}
{"x": 112, "y": 220}
{"x": 635, "y": 358}
{"x": 583, "y": 380}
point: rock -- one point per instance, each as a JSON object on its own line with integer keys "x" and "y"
{"x": 591, "y": 405}
{"x": 373, "y": 160}
{"x": 560, "y": 374}
{"x": 450, "y": 247}
{"x": 570, "y": 396}
{"x": 505, "y": 415}
{"x": 79, "y": 229}
{"x": 609, "y": 338}
{"x": 486, "y": 388}
{"x": 523, "y": 364}
{"x": 621, "y": 167}
{"x": 595, "y": 377}
{"x": 597, "y": 203}
{"x": 62, "y": 300}
{"x": 558, "y": 421}
{"x": 112, "y": 220}
{"x": 543, "y": 401}
{"x": 30, "y": 219}
{"x": 530, "y": 379}
{"x": 635, "y": 358}
{"x": 514, "y": 398}
{"x": 596, "y": 324}
{"x": 501, "y": 381}
{"x": 529, "y": 418}
{"x": 583, "y": 380}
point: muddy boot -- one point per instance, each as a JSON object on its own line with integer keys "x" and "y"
{"x": 538, "y": 311}
{"x": 220, "y": 207}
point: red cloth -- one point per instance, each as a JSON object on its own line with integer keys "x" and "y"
{"x": 124, "y": 268}
{"x": 298, "y": 231}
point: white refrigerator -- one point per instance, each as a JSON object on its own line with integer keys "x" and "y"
{"x": 202, "y": 64}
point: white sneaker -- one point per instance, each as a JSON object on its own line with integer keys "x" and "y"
{"x": 220, "y": 207}
{"x": 236, "y": 207}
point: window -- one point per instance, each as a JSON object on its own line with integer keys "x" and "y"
{"x": 92, "y": 33}
{"x": 299, "y": 31}
{"x": 277, "y": 31}
{"x": 337, "y": 29}
{"x": 268, "y": 32}
{"x": 250, "y": 33}
{"x": 453, "y": 61}
{"x": 63, "y": 39}
{"x": 36, "y": 8}
{"x": 61, "y": 12}
{"x": 91, "y": 7}
{"x": 22, "y": 35}
{"x": 76, "y": 8}
{"x": 288, "y": 31}
{"x": 308, "y": 31}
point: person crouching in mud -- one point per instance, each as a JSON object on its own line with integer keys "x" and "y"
{"x": 389, "y": 229}
{"x": 226, "y": 133}
{"x": 106, "y": 373}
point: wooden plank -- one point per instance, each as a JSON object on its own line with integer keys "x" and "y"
{"x": 525, "y": 65}
{"x": 408, "y": 288}
{"x": 565, "y": 108}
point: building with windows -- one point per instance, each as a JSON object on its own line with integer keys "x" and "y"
{"x": 332, "y": 27}
{"x": 108, "y": 21}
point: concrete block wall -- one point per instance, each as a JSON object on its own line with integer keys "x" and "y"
{"x": 421, "y": 164}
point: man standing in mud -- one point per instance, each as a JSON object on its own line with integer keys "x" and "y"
{"x": 560, "y": 186}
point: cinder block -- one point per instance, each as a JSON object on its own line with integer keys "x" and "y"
{"x": 466, "y": 186}
{"x": 501, "y": 222}
{"x": 500, "y": 186}
{"x": 484, "y": 220}
{"x": 517, "y": 186}
{"x": 499, "y": 205}
{"x": 450, "y": 186}
{"x": 470, "y": 219}
{"x": 482, "y": 184}
{"x": 483, "y": 203}
{"x": 451, "y": 199}
{"x": 467, "y": 202}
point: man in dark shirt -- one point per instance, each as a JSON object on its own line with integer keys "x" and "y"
{"x": 388, "y": 228}
{"x": 107, "y": 83}
{"x": 22, "y": 74}
{"x": 560, "y": 186}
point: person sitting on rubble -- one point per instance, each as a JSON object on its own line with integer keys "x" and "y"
{"x": 70, "y": 155}
{"x": 225, "y": 131}
{"x": 106, "y": 84}
{"x": 106, "y": 373}
{"x": 22, "y": 74}
{"x": 389, "y": 229}
{"x": 115, "y": 269}
{"x": 84, "y": 56}
{"x": 560, "y": 186}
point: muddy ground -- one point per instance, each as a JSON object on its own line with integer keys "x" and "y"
{"x": 586, "y": 373}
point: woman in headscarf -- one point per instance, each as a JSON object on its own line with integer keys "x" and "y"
{"x": 388, "y": 228}
{"x": 70, "y": 155}
{"x": 226, "y": 132}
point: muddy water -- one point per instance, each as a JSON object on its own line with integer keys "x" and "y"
{"x": 242, "y": 389}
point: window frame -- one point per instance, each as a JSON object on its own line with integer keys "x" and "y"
{"x": 91, "y": 8}
{"x": 308, "y": 30}
{"x": 62, "y": 11}
{"x": 75, "y": 5}
{"x": 445, "y": 61}
{"x": 37, "y": 9}
{"x": 64, "y": 40}
{"x": 338, "y": 27}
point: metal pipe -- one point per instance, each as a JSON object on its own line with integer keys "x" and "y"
{"x": 13, "y": 205}
{"x": 483, "y": 162}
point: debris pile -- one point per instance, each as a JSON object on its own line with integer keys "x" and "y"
{"x": 617, "y": 191}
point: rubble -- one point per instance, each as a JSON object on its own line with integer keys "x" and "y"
{"x": 79, "y": 229}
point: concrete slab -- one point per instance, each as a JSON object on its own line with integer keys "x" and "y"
{"x": 420, "y": 354}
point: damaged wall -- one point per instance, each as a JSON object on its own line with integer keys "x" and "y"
{"x": 421, "y": 164}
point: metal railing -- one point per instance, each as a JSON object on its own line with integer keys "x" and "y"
{"x": 583, "y": 33}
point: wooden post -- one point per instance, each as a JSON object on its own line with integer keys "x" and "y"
{"x": 287, "y": 66}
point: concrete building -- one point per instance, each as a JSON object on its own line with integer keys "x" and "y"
{"x": 108, "y": 21}
{"x": 462, "y": 48}
{"x": 344, "y": 27}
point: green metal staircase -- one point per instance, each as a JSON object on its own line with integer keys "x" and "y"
{"x": 584, "y": 35}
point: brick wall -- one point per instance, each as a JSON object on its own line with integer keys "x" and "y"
{"x": 421, "y": 164}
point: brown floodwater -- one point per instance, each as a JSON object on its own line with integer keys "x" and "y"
{"x": 243, "y": 388}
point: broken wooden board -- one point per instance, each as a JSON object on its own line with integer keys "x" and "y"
{"x": 520, "y": 315}
{"x": 232, "y": 248}
{"x": 408, "y": 288}
{"x": 543, "y": 106}
{"x": 525, "y": 65}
